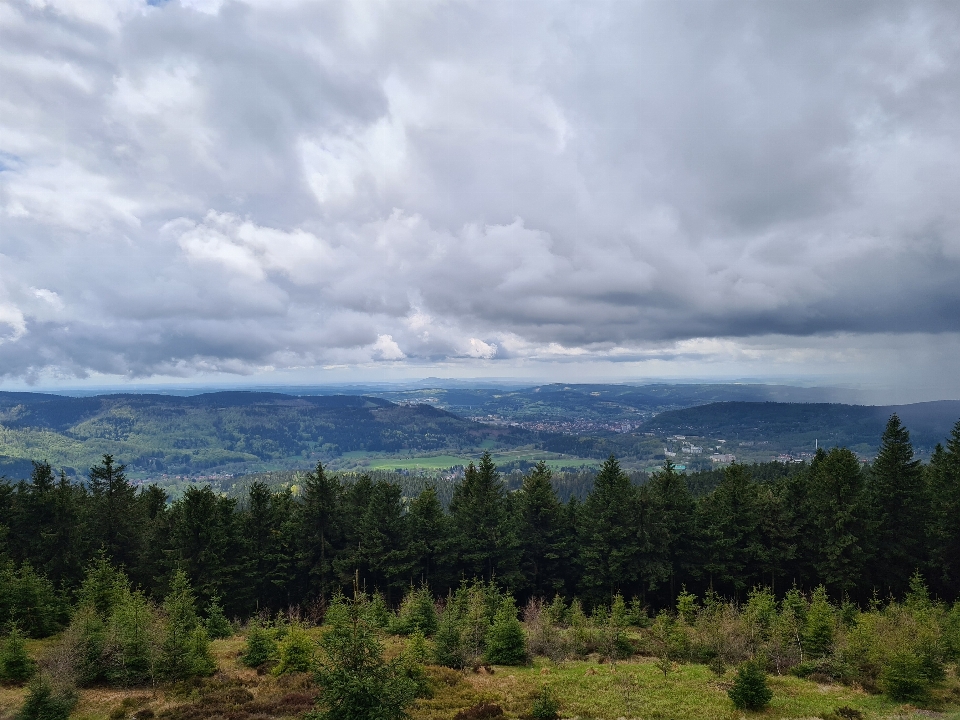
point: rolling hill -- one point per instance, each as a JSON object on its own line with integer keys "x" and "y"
{"x": 225, "y": 431}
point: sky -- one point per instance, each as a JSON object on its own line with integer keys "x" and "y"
{"x": 214, "y": 191}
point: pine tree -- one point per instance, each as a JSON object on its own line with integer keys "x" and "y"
{"x": 486, "y": 547}
{"x": 899, "y": 508}
{"x": 506, "y": 641}
{"x": 297, "y": 652}
{"x": 320, "y": 529}
{"x": 43, "y": 703}
{"x": 835, "y": 508}
{"x": 216, "y": 623}
{"x": 355, "y": 681}
{"x": 542, "y": 531}
{"x": 205, "y": 544}
{"x": 15, "y": 664}
{"x": 184, "y": 651}
{"x": 609, "y": 544}
{"x": 383, "y": 559}
{"x": 427, "y": 539}
{"x": 130, "y": 643}
{"x": 820, "y": 624}
{"x": 261, "y": 646}
{"x": 944, "y": 533}
{"x": 750, "y": 690}
{"x": 730, "y": 534}
{"x": 116, "y": 515}
{"x": 669, "y": 528}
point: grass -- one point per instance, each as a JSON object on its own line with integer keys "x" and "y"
{"x": 587, "y": 690}
{"x": 638, "y": 689}
{"x": 443, "y": 462}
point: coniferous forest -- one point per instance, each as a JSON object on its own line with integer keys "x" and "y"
{"x": 768, "y": 572}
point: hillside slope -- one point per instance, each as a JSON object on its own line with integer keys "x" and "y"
{"x": 224, "y": 430}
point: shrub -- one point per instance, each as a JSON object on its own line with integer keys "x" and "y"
{"x": 506, "y": 643}
{"x": 903, "y": 679}
{"x": 417, "y": 612}
{"x": 296, "y": 652}
{"x": 129, "y": 648}
{"x": 15, "y": 665}
{"x": 217, "y": 625}
{"x": 355, "y": 680}
{"x": 42, "y": 703}
{"x": 447, "y": 643}
{"x": 84, "y": 643}
{"x": 750, "y": 690}
{"x": 185, "y": 649}
{"x": 545, "y": 705}
{"x": 821, "y": 621}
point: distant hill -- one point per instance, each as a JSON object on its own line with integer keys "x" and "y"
{"x": 602, "y": 402}
{"x": 795, "y": 425}
{"x": 223, "y": 431}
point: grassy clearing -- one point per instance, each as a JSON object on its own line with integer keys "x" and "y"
{"x": 638, "y": 689}
{"x": 587, "y": 690}
{"x": 443, "y": 462}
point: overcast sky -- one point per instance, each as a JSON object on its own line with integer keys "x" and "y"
{"x": 315, "y": 191}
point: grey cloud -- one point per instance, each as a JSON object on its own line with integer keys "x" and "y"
{"x": 293, "y": 184}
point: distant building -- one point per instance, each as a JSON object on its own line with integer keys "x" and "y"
{"x": 722, "y": 458}
{"x": 668, "y": 453}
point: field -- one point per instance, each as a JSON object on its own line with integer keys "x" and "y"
{"x": 443, "y": 462}
{"x": 586, "y": 689}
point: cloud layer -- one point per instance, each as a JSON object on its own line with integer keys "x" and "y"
{"x": 210, "y": 186}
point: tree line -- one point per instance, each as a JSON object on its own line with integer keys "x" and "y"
{"x": 858, "y": 531}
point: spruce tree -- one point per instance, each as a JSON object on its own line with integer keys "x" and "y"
{"x": 730, "y": 533}
{"x": 609, "y": 544}
{"x": 485, "y": 544}
{"x": 944, "y": 524}
{"x": 130, "y": 641}
{"x": 898, "y": 501}
{"x": 319, "y": 529}
{"x": 669, "y": 528}
{"x": 543, "y": 534}
{"x": 45, "y": 703}
{"x": 750, "y": 690}
{"x": 216, "y": 623}
{"x": 184, "y": 651}
{"x": 260, "y": 647}
{"x": 427, "y": 539}
{"x": 355, "y": 680}
{"x": 116, "y": 516}
{"x": 15, "y": 664}
{"x": 506, "y": 641}
{"x": 205, "y": 544}
{"x": 835, "y": 509}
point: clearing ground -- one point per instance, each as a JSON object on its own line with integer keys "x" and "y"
{"x": 586, "y": 689}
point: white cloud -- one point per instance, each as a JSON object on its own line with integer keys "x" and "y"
{"x": 200, "y": 186}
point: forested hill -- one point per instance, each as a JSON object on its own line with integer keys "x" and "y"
{"x": 801, "y": 424}
{"x": 161, "y": 433}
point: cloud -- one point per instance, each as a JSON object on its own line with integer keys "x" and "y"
{"x": 241, "y": 187}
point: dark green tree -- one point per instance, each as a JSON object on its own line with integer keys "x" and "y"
{"x": 320, "y": 530}
{"x": 485, "y": 545}
{"x": 356, "y": 682}
{"x": 944, "y": 522}
{"x": 205, "y": 544}
{"x": 668, "y": 529}
{"x": 506, "y": 641}
{"x": 834, "y": 507}
{"x": 115, "y": 515}
{"x": 899, "y": 508}
{"x": 428, "y": 540}
{"x": 15, "y": 664}
{"x": 750, "y": 690}
{"x": 543, "y": 534}
{"x": 730, "y": 533}
{"x": 607, "y": 535}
